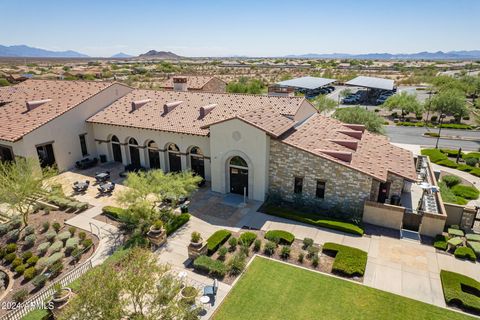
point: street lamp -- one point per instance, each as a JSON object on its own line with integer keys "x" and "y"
{"x": 442, "y": 116}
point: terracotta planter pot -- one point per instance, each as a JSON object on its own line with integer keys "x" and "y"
{"x": 66, "y": 293}
{"x": 196, "y": 245}
{"x": 155, "y": 231}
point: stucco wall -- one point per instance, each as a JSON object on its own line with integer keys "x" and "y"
{"x": 236, "y": 138}
{"x": 103, "y": 132}
{"x": 432, "y": 224}
{"x": 215, "y": 85}
{"x": 383, "y": 215}
{"x": 344, "y": 187}
{"x": 64, "y": 130}
{"x": 454, "y": 213}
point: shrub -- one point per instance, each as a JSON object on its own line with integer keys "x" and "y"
{"x": 50, "y": 236}
{"x": 29, "y": 273}
{"x": 315, "y": 260}
{"x": 76, "y": 254}
{"x": 222, "y": 252}
{"x": 451, "y": 152}
{"x": 3, "y": 229}
{"x": 244, "y": 250}
{"x": 470, "y": 155}
{"x": 10, "y": 257}
{"x": 435, "y": 155}
{"x": 236, "y": 264}
{"x": 71, "y": 244}
{"x": 17, "y": 262}
{"x": 214, "y": 268}
{"x": 449, "y": 196}
{"x": 56, "y": 226}
{"x": 307, "y": 242}
{"x": 451, "y": 180}
{"x": 247, "y": 238}
{"x": 30, "y": 240}
{"x": 82, "y": 235}
{"x": 27, "y": 255}
{"x": 285, "y": 252}
{"x": 11, "y": 247}
{"x": 312, "y": 251}
{"x": 475, "y": 172}
{"x": 113, "y": 212}
{"x": 463, "y": 253}
{"x": 232, "y": 242}
{"x": 158, "y": 225}
{"x": 285, "y": 237}
{"x": 56, "y": 246}
{"x": 32, "y": 260}
{"x": 466, "y": 192}
{"x": 20, "y": 296}
{"x": 87, "y": 243}
{"x": 39, "y": 281}
{"x": 64, "y": 236}
{"x": 453, "y": 285}
{"x": 55, "y": 269}
{"x": 20, "y": 269}
{"x": 216, "y": 240}
{"x": 440, "y": 242}
{"x": 434, "y": 118}
{"x": 72, "y": 230}
{"x": 348, "y": 261}
{"x": 269, "y": 248}
{"x": 81, "y": 206}
{"x": 43, "y": 248}
{"x": 41, "y": 263}
{"x": 472, "y": 162}
{"x": 464, "y": 167}
{"x": 257, "y": 245}
{"x": 54, "y": 258}
{"x": 45, "y": 226}
{"x": 28, "y": 230}
{"x": 301, "y": 256}
{"x": 15, "y": 224}
{"x": 447, "y": 163}
{"x": 175, "y": 223}
{"x": 3, "y": 252}
{"x": 13, "y": 235}
{"x": 313, "y": 219}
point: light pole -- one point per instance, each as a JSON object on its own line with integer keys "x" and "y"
{"x": 442, "y": 116}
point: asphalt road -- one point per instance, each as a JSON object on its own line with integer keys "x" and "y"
{"x": 413, "y": 135}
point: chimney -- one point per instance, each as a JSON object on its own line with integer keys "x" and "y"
{"x": 168, "y": 107}
{"x": 356, "y": 127}
{"x": 139, "y": 103}
{"x": 206, "y": 110}
{"x": 179, "y": 83}
{"x": 280, "y": 91}
{"x": 352, "y": 133}
{"x": 36, "y": 103}
{"x": 340, "y": 155}
{"x": 347, "y": 143}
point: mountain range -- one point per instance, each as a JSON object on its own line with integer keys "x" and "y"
{"x": 153, "y": 54}
{"x": 121, "y": 55}
{"x": 439, "y": 55}
{"x": 30, "y": 52}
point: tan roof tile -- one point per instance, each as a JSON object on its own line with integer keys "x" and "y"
{"x": 193, "y": 82}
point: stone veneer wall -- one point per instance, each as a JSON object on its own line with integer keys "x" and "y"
{"x": 344, "y": 187}
{"x": 396, "y": 184}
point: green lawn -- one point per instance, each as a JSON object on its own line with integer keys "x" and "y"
{"x": 273, "y": 290}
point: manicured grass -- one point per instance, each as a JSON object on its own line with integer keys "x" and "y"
{"x": 273, "y": 290}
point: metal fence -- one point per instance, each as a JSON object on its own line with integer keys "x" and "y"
{"x": 46, "y": 293}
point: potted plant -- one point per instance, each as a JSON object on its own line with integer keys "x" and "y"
{"x": 157, "y": 227}
{"x": 196, "y": 239}
{"x": 189, "y": 294}
{"x": 157, "y": 234}
{"x": 196, "y": 246}
{"x": 61, "y": 294}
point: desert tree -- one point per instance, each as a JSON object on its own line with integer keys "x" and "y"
{"x": 405, "y": 102}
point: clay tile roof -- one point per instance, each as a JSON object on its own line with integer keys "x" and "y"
{"x": 16, "y": 121}
{"x": 374, "y": 155}
{"x": 186, "y": 118}
{"x": 269, "y": 120}
{"x": 193, "y": 82}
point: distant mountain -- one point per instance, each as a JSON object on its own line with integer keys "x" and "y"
{"x": 121, "y": 55}
{"x": 152, "y": 54}
{"x": 439, "y": 55}
{"x": 30, "y": 52}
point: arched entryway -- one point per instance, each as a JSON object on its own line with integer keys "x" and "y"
{"x": 134, "y": 152}
{"x": 174, "y": 160}
{"x": 197, "y": 161}
{"x": 116, "y": 149}
{"x": 153, "y": 155}
{"x": 238, "y": 170}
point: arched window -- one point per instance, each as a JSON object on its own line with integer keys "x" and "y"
{"x": 134, "y": 152}
{"x": 239, "y": 162}
{"x": 174, "y": 160}
{"x": 116, "y": 149}
{"x": 197, "y": 162}
{"x": 153, "y": 155}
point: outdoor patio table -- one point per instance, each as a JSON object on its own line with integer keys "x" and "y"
{"x": 102, "y": 176}
{"x": 455, "y": 232}
{"x": 455, "y": 241}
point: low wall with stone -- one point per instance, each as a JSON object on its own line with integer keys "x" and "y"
{"x": 454, "y": 213}
{"x": 384, "y": 215}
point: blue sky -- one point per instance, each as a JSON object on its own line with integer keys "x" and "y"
{"x": 255, "y": 28}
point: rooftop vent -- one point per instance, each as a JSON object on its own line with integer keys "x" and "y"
{"x": 347, "y": 143}
{"x": 340, "y": 155}
{"x": 352, "y": 133}
{"x": 168, "y": 107}
{"x": 206, "y": 110}
{"x": 139, "y": 103}
{"x": 356, "y": 127}
{"x": 180, "y": 83}
{"x": 36, "y": 103}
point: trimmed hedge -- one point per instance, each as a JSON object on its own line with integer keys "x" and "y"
{"x": 314, "y": 219}
{"x": 175, "y": 223}
{"x": 247, "y": 238}
{"x": 56, "y": 246}
{"x": 348, "y": 261}
{"x": 451, "y": 180}
{"x": 466, "y": 192}
{"x": 465, "y": 253}
{"x": 216, "y": 240}
{"x": 470, "y": 155}
{"x": 214, "y": 268}
{"x": 435, "y": 155}
{"x": 112, "y": 211}
{"x": 440, "y": 242}
{"x": 454, "y": 294}
{"x": 284, "y": 237}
